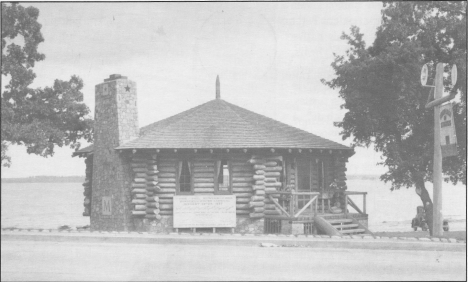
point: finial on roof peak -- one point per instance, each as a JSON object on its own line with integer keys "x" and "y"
{"x": 218, "y": 94}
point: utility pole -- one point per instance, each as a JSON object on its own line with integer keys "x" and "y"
{"x": 437, "y": 165}
{"x": 437, "y": 229}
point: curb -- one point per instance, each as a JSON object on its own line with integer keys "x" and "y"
{"x": 317, "y": 241}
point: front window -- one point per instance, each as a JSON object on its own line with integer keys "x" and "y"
{"x": 223, "y": 176}
{"x": 185, "y": 177}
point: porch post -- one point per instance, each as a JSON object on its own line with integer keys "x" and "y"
{"x": 316, "y": 205}
{"x": 346, "y": 204}
{"x": 291, "y": 203}
{"x": 323, "y": 204}
{"x": 364, "y": 204}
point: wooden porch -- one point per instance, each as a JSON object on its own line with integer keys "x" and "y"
{"x": 312, "y": 212}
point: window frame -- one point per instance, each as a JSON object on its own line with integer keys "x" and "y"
{"x": 216, "y": 176}
{"x": 179, "y": 165}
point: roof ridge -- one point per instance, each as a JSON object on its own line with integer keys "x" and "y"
{"x": 282, "y": 124}
{"x": 227, "y": 105}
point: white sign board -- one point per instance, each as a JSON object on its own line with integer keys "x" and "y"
{"x": 204, "y": 211}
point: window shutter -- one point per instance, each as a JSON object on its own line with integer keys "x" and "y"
{"x": 286, "y": 170}
{"x": 180, "y": 169}
{"x": 323, "y": 175}
{"x": 218, "y": 168}
{"x": 230, "y": 176}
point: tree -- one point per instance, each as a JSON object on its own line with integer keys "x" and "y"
{"x": 38, "y": 118}
{"x": 384, "y": 99}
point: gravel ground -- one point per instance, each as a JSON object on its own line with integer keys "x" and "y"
{"x": 459, "y": 235}
{"x": 82, "y": 261}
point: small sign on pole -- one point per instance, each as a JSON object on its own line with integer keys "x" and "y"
{"x": 448, "y": 137}
{"x": 424, "y": 75}
{"x": 454, "y": 75}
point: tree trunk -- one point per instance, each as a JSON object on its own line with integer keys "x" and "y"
{"x": 425, "y": 198}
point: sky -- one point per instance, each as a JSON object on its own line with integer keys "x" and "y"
{"x": 270, "y": 58}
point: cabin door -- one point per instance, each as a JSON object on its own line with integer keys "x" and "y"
{"x": 304, "y": 177}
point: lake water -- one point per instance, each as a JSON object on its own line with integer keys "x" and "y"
{"x": 50, "y": 205}
{"x": 42, "y": 205}
{"x": 394, "y": 210}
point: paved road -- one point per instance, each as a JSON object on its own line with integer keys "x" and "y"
{"x": 29, "y": 260}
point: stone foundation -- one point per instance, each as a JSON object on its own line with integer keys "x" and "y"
{"x": 364, "y": 222}
{"x": 362, "y": 219}
{"x": 249, "y": 225}
{"x": 165, "y": 225}
{"x": 286, "y": 227}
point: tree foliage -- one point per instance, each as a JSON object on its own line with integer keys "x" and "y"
{"x": 385, "y": 102}
{"x": 38, "y": 118}
{"x": 381, "y": 88}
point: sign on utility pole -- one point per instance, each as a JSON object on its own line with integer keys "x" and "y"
{"x": 437, "y": 169}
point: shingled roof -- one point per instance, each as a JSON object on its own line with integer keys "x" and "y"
{"x": 219, "y": 124}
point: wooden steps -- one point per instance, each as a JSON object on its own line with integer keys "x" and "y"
{"x": 352, "y": 231}
{"x": 341, "y": 226}
{"x": 341, "y": 220}
{"x": 346, "y": 226}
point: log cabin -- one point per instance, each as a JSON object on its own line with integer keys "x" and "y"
{"x": 281, "y": 179}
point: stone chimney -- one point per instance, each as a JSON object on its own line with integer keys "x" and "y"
{"x": 116, "y": 122}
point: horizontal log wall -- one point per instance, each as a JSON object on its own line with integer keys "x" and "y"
{"x": 155, "y": 181}
{"x": 145, "y": 184}
{"x": 291, "y": 165}
{"x": 268, "y": 170}
{"x": 242, "y": 181}
{"x": 138, "y": 186}
{"x": 274, "y": 172}
{"x": 340, "y": 171}
{"x": 152, "y": 186}
{"x": 88, "y": 184}
{"x": 167, "y": 179}
{"x": 258, "y": 189}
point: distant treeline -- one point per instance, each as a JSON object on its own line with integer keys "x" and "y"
{"x": 42, "y": 179}
{"x": 363, "y": 177}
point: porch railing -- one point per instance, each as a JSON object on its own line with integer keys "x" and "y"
{"x": 350, "y": 202}
{"x": 291, "y": 210}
